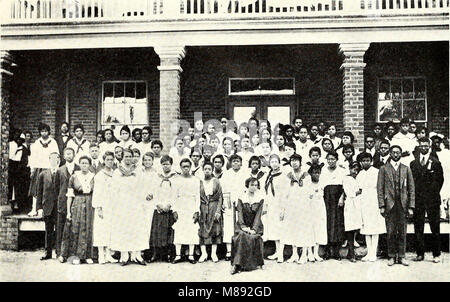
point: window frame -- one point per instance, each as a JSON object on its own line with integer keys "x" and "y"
{"x": 261, "y": 78}
{"x": 402, "y": 78}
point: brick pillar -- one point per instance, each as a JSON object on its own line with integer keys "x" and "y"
{"x": 49, "y": 87}
{"x": 353, "y": 76}
{"x": 169, "y": 91}
{"x": 5, "y": 80}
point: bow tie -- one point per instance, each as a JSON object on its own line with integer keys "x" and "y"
{"x": 44, "y": 145}
{"x": 65, "y": 135}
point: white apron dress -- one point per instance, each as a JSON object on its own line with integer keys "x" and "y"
{"x": 129, "y": 230}
{"x": 101, "y": 198}
{"x": 314, "y": 192}
{"x": 273, "y": 226}
{"x": 148, "y": 182}
{"x": 372, "y": 221}
{"x": 352, "y": 206}
{"x": 297, "y": 224}
{"x": 233, "y": 184}
{"x": 187, "y": 203}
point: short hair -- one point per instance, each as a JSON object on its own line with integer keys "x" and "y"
{"x": 149, "y": 129}
{"x": 424, "y": 140}
{"x": 303, "y": 126}
{"x": 43, "y": 126}
{"x": 136, "y": 150}
{"x": 128, "y": 150}
{"x": 135, "y": 130}
{"x": 364, "y": 155}
{"x": 297, "y": 117}
{"x": 332, "y": 153}
{"x": 404, "y": 120}
{"x": 126, "y": 129}
{"x": 395, "y": 146}
{"x": 275, "y": 156}
{"x": 120, "y": 147}
{"x": 166, "y": 158}
{"x": 66, "y": 123}
{"x": 385, "y": 141}
{"x": 288, "y": 127}
{"x": 315, "y": 149}
{"x": 93, "y": 145}
{"x": 295, "y": 156}
{"x": 208, "y": 148}
{"x": 290, "y": 145}
{"x": 254, "y": 158}
{"x": 353, "y": 164}
{"x": 69, "y": 149}
{"x": 369, "y": 135}
{"x": 78, "y": 126}
{"x": 235, "y": 156}
{"x": 349, "y": 134}
{"x": 214, "y": 137}
{"x": 219, "y": 156}
{"x": 53, "y": 154}
{"x": 157, "y": 142}
{"x": 227, "y": 138}
{"x": 348, "y": 147}
{"x": 327, "y": 139}
{"x": 108, "y": 153}
{"x": 253, "y": 119}
{"x": 85, "y": 157}
{"x": 101, "y": 132}
{"x": 108, "y": 130}
{"x": 423, "y": 128}
{"x": 251, "y": 180}
{"x": 185, "y": 160}
{"x": 207, "y": 163}
{"x": 389, "y": 124}
{"x": 195, "y": 150}
{"x": 148, "y": 154}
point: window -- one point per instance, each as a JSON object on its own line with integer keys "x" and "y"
{"x": 124, "y": 103}
{"x": 261, "y": 86}
{"x": 402, "y": 97}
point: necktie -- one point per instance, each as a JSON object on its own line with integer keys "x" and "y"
{"x": 422, "y": 162}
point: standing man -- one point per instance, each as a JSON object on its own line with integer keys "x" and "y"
{"x": 47, "y": 196}
{"x": 369, "y": 145}
{"x": 395, "y": 188}
{"x": 381, "y": 157}
{"x": 428, "y": 178}
{"x": 63, "y": 138}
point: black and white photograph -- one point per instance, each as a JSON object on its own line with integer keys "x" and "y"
{"x": 219, "y": 141}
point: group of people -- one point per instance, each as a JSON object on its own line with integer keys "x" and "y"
{"x": 294, "y": 185}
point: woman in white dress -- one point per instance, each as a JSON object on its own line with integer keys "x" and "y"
{"x": 233, "y": 184}
{"x": 186, "y": 208}
{"x": 108, "y": 145}
{"x": 352, "y": 207}
{"x": 102, "y": 208}
{"x": 129, "y": 233}
{"x": 373, "y": 223}
{"x": 125, "y": 138}
{"x": 276, "y": 188}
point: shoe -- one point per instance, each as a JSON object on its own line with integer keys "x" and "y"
{"x": 355, "y": 244}
{"x": 373, "y": 259}
{"x": 192, "y": 260}
{"x": 176, "y": 260}
{"x": 215, "y": 259}
{"x": 318, "y": 258}
{"x": 280, "y": 259}
{"x": 89, "y": 261}
{"x": 353, "y": 260}
{"x": 311, "y": 258}
{"x": 234, "y": 270}
{"x": 227, "y": 257}
{"x": 391, "y": 262}
{"x": 292, "y": 259}
{"x": 32, "y": 213}
{"x": 436, "y": 259}
{"x": 402, "y": 261}
{"x": 46, "y": 257}
{"x": 272, "y": 257}
{"x": 302, "y": 260}
{"x": 153, "y": 259}
{"x": 344, "y": 244}
{"x": 365, "y": 258}
{"x": 76, "y": 261}
{"x": 111, "y": 260}
{"x": 61, "y": 259}
{"x": 202, "y": 258}
{"x": 141, "y": 262}
{"x": 123, "y": 263}
{"x": 418, "y": 258}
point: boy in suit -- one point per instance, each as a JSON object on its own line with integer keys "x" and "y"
{"x": 428, "y": 177}
{"x": 381, "y": 157}
{"x": 396, "y": 199}
{"x": 63, "y": 175}
{"x": 96, "y": 165}
{"x": 47, "y": 196}
{"x": 63, "y": 138}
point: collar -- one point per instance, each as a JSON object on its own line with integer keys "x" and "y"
{"x": 395, "y": 164}
{"x": 70, "y": 166}
{"x": 426, "y": 156}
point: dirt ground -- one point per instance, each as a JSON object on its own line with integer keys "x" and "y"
{"x": 26, "y": 266}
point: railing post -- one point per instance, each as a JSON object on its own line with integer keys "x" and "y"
{"x": 171, "y": 9}
{"x": 352, "y": 7}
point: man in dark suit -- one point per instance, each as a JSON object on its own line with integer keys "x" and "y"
{"x": 428, "y": 178}
{"x": 96, "y": 165}
{"x": 63, "y": 138}
{"x": 47, "y": 196}
{"x": 63, "y": 175}
{"x": 396, "y": 201}
{"x": 382, "y": 155}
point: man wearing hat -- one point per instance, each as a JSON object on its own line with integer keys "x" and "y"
{"x": 396, "y": 200}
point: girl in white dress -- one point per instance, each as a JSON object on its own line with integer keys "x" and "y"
{"x": 352, "y": 207}
{"x": 233, "y": 184}
{"x": 373, "y": 223}
{"x": 101, "y": 204}
{"x": 276, "y": 188}
{"x": 186, "y": 208}
{"x": 108, "y": 145}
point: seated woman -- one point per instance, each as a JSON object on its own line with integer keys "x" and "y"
{"x": 247, "y": 244}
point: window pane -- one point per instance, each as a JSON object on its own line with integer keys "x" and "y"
{"x": 396, "y": 89}
{"x": 419, "y": 88}
{"x": 277, "y": 86}
{"x": 129, "y": 92}
{"x": 409, "y": 109}
{"x": 421, "y": 110}
{"x": 136, "y": 113}
{"x": 119, "y": 92}
{"x": 141, "y": 93}
{"x": 108, "y": 93}
{"x": 408, "y": 91}
{"x": 113, "y": 113}
{"x": 389, "y": 110}
{"x": 384, "y": 90}
{"x": 242, "y": 114}
{"x": 279, "y": 114}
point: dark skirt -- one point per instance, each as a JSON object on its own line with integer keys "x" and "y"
{"x": 161, "y": 234}
{"x": 335, "y": 214}
{"x": 77, "y": 234}
{"x": 247, "y": 251}
{"x": 210, "y": 231}
{"x": 34, "y": 182}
